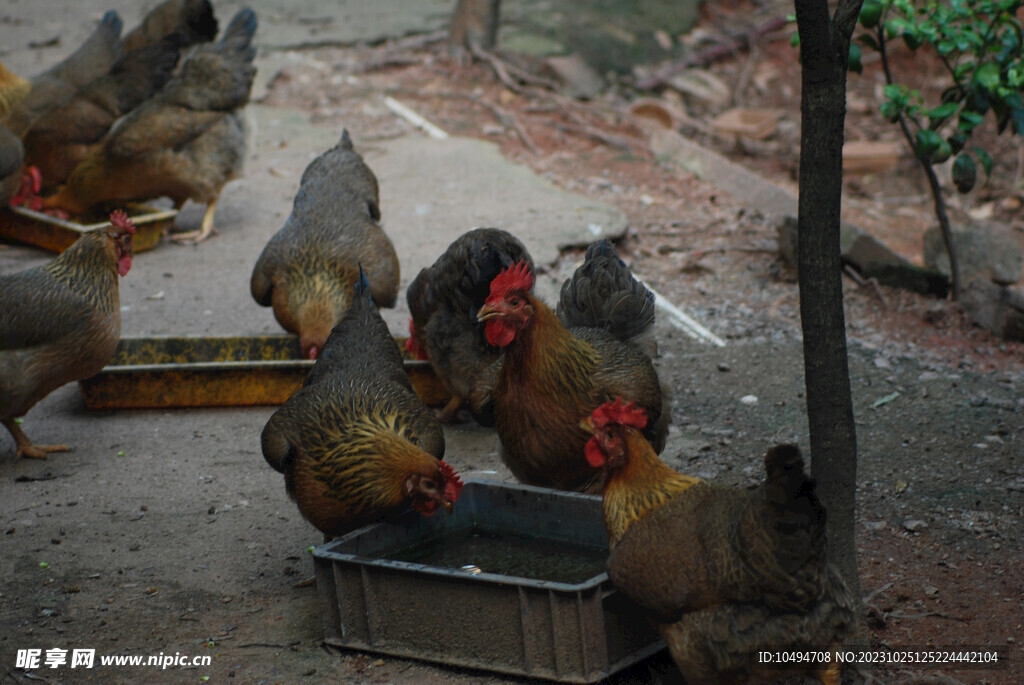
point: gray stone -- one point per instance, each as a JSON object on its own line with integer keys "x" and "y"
{"x": 858, "y": 247}
{"x": 995, "y": 308}
{"x": 578, "y": 79}
{"x": 984, "y": 249}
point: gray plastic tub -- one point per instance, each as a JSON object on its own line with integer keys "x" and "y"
{"x": 571, "y": 632}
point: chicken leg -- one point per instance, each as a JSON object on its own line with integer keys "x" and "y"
{"x": 448, "y": 414}
{"x": 25, "y": 446}
{"x": 205, "y": 228}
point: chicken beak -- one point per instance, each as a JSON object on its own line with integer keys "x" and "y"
{"x": 487, "y": 312}
{"x": 587, "y": 425}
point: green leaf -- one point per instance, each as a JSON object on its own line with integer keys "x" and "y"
{"x": 941, "y": 153}
{"x": 892, "y": 91}
{"x": 868, "y": 40}
{"x": 943, "y": 111}
{"x": 987, "y": 76}
{"x": 891, "y": 111}
{"x": 965, "y": 173}
{"x": 927, "y": 143}
{"x": 984, "y": 158}
{"x": 870, "y": 13}
{"x": 853, "y": 60}
{"x": 794, "y": 40}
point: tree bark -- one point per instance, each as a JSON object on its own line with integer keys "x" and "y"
{"x": 475, "y": 24}
{"x": 824, "y": 49}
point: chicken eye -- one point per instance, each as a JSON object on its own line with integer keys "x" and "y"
{"x": 515, "y": 301}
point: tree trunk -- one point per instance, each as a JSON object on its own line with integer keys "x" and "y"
{"x": 824, "y": 46}
{"x": 475, "y": 24}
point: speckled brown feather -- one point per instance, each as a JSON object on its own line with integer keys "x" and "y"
{"x": 59, "y": 322}
{"x": 444, "y": 299}
{"x": 348, "y": 439}
{"x": 58, "y": 141}
{"x": 724, "y": 570}
{"x": 307, "y": 269}
{"x": 186, "y": 142}
{"x": 551, "y": 380}
{"x": 92, "y": 59}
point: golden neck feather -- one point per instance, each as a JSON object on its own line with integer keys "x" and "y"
{"x": 642, "y": 484}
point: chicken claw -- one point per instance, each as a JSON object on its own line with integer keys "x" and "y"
{"x": 25, "y": 446}
{"x": 205, "y": 228}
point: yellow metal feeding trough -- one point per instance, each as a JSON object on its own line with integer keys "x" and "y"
{"x": 174, "y": 371}
{"x": 55, "y": 234}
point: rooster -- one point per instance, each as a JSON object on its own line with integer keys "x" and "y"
{"x": 444, "y": 299}
{"x": 355, "y": 443}
{"x": 186, "y": 142}
{"x": 60, "y": 323}
{"x": 552, "y": 376}
{"x": 723, "y": 571}
{"x": 307, "y": 269}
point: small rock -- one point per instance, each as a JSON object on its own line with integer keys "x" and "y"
{"x": 882, "y": 363}
{"x": 914, "y": 525}
{"x": 994, "y": 438}
{"x": 935, "y": 313}
{"x": 723, "y": 367}
{"x": 748, "y": 400}
{"x": 928, "y": 376}
{"x": 930, "y": 590}
{"x": 984, "y": 249}
{"x": 979, "y": 401}
{"x": 874, "y": 525}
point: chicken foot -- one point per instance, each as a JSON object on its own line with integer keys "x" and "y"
{"x": 447, "y": 415}
{"x": 205, "y": 228}
{"x": 25, "y": 446}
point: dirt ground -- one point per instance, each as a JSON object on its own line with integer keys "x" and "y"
{"x": 194, "y": 548}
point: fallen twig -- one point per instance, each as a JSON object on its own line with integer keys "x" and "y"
{"x": 415, "y": 119}
{"x": 865, "y": 282}
{"x": 706, "y": 57}
{"x": 506, "y": 118}
{"x": 503, "y": 70}
{"x": 599, "y": 135}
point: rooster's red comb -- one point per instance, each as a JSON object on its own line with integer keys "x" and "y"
{"x": 517, "y": 277}
{"x": 616, "y": 412}
{"x": 452, "y": 484}
{"x": 119, "y": 219}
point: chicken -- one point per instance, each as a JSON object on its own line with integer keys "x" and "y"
{"x": 444, "y": 299}
{"x": 553, "y": 377}
{"x": 12, "y": 89}
{"x": 186, "y": 142}
{"x": 12, "y": 159}
{"x": 355, "y": 443}
{"x": 58, "y": 141}
{"x": 91, "y": 60}
{"x": 723, "y": 571}
{"x": 602, "y": 293}
{"x": 307, "y": 269}
{"x": 60, "y": 323}
{"x": 192, "y": 21}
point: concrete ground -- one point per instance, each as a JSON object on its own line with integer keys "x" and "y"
{"x": 204, "y": 545}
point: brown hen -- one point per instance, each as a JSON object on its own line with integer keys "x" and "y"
{"x": 48, "y": 90}
{"x": 724, "y": 572}
{"x": 307, "y": 269}
{"x": 355, "y": 443}
{"x": 444, "y": 299}
{"x": 553, "y": 377}
{"x": 186, "y": 142}
{"x": 60, "y": 323}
